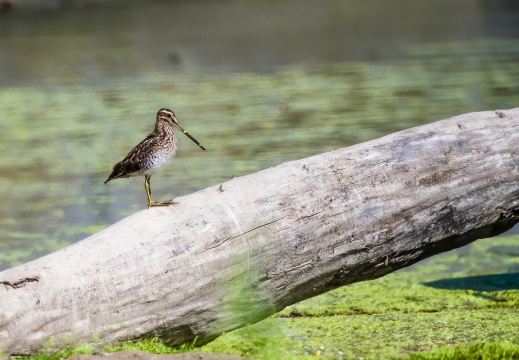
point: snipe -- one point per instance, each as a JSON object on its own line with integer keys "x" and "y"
{"x": 152, "y": 154}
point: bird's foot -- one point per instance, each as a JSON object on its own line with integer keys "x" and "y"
{"x": 162, "y": 203}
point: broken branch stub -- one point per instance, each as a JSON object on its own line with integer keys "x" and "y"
{"x": 235, "y": 253}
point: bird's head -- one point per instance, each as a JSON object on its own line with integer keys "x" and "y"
{"x": 168, "y": 116}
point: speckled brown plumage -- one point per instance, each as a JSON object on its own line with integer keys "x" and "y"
{"x": 145, "y": 158}
{"x": 152, "y": 154}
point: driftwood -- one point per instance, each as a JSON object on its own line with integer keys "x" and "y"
{"x": 237, "y": 252}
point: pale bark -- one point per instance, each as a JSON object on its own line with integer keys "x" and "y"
{"x": 233, "y": 254}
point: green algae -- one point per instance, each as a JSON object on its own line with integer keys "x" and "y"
{"x": 57, "y": 153}
{"x": 476, "y": 351}
{"x": 152, "y": 346}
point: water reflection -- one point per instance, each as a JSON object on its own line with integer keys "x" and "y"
{"x": 257, "y": 82}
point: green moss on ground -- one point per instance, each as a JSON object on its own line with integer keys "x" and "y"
{"x": 153, "y": 346}
{"x": 475, "y": 351}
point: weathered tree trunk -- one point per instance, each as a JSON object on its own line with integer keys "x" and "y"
{"x": 233, "y": 254}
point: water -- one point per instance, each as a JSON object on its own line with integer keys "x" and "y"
{"x": 257, "y": 83}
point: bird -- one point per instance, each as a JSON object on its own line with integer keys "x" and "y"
{"x": 152, "y": 154}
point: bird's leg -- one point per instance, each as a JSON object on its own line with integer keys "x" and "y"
{"x": 152, "y": 202}
{"x": 148, "y": 190}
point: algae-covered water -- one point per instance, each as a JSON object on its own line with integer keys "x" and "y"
{"x": 256, "y": 83}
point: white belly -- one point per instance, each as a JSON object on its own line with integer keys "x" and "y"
{"x": 157, "y": 163}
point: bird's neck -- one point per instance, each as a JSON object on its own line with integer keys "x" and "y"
{"x": 162, "y": 128}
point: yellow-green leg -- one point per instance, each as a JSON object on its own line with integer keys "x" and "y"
{"x": 152, "y": 202}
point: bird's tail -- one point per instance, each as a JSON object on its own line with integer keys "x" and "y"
{"x": 122, "y": 170}
{"x": 112, "y": 176}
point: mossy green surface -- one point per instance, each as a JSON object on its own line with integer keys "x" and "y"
{"x": 152, "y": 346}
{"x": 475, "y": 351}
{"x": 57, "y": 152}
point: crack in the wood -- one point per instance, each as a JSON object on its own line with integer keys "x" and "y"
{"x": 316, "y": 213}
{"x": 339, "y": 213}
{"x": 20, "y": 283}
{"x": 243, "y": 233}
{"x": 290, "y": 269}
{"x": 307, "y": 216}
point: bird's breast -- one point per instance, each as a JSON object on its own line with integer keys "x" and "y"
{"x": 158, "y": 159}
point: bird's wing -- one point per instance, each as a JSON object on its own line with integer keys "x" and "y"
{"x": 132, "y": 162}
{"x": 136, "y": 155}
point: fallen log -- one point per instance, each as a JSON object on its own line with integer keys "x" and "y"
{"x": 236, "y": 253}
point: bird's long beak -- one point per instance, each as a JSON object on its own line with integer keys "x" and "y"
{"x": 177, "y": 125}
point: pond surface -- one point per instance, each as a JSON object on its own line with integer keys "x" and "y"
{"x": 257, "y": 83}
